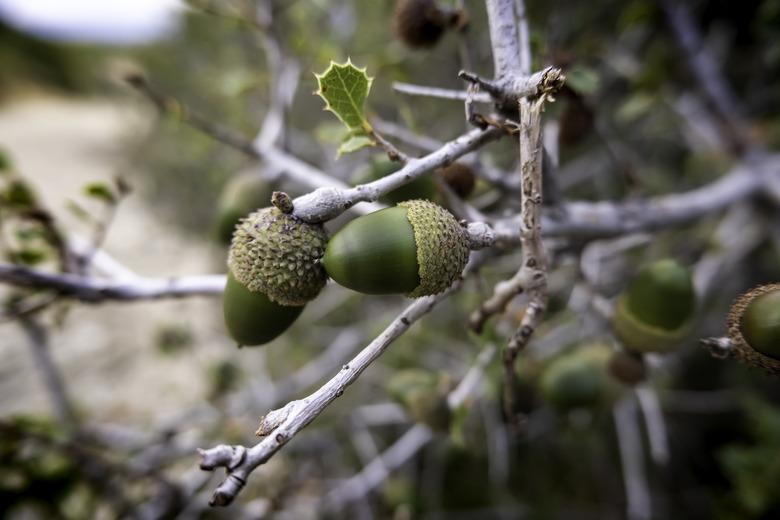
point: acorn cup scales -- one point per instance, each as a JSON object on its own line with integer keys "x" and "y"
{"x": 416, "y": 248}
{"x": 273, "y": 271}
{"x": 754, "y": 328}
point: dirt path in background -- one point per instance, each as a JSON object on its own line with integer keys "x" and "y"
{"x": 107, "y": 352}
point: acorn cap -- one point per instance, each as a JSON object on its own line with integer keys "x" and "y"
{"x": 754, "y": 328}
{"x": 251, "y": 318}
{"x": 442, "y": 246}
{"x": 278, "y": 255}
{"x": 655, "y": 313}
{"x": 419, "y": 23}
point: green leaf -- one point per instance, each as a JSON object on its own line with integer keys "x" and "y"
{"x": 345, "y": 88}
{"x": 354, "y": 143}
{"x": 100, "y": 191}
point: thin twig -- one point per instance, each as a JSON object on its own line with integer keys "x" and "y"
{"x": 281, "y": 425}
{"x": 638, "y": 503}
{"x": 50, "y": 374}
{"x": 441, "y": 93}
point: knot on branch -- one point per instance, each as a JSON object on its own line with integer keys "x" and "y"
{"x": 271, "y": 421}
{"x": 480, "y": 235}
{"x": 552, "y": 80}
{"x": 229, "y": 457}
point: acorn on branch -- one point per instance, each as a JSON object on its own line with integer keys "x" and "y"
{"x": 241, "y": 195}
{"x": 754, "y": 328}
{"x": 416, "y": 248}
{"x": 273, "y": 271}
{"x": 423, "y": 395}
{"x": 420, "y": 24}
{"x": 579, "y": 379}
{"x": 655, "y": 313}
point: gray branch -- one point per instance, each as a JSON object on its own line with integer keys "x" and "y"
{"x": 326, "y": 203}
{"x": 94, "y": 290}
{"x": 503, "y": 38}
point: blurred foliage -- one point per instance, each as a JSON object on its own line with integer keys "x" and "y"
{"x": 622, "y": 134}
{"x": 754, "y": 468}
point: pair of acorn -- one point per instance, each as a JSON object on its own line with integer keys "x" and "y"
{"x": 277, "y": 263}
{"x": 656, "y": 311}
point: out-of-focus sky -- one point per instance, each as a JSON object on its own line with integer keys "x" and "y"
{"x": 93, "y": 21}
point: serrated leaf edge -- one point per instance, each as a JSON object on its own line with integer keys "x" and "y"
{"x": 366, "y": 126}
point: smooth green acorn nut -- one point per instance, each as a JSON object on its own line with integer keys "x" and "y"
{"x": 423, "y": 395}
{"x": 278, "y": 255}
{"x": 416, "y": 248}
{"x": 754, "y": 328}
{"x": 242, "y": 194}
{"x": 251, "y": 318}
{"x": 655, "y": 312}
{"x": 579, "y": 379}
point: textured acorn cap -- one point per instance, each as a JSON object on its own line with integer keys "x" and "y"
{"x": 278, "y": 255}
{"x": 419, "y": 23}
{"x": 740, "y": 317}
{"x": 442, "y": 246}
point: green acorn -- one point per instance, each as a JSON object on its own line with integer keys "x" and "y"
{"x": 242, "y": 194}
{"x": 754, "y": 328}
{"x": 423, "y": 395}
{"x": 579, "y": 379}
{"x": 416, "y": 248}
{"x": 423, "y": 187}
{"x": 655, "y": 312}
{"x": 273, "y": 271}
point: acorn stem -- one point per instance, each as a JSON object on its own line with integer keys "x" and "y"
{"x": 719, "y": 348}
{"x": 282, "y": 202}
